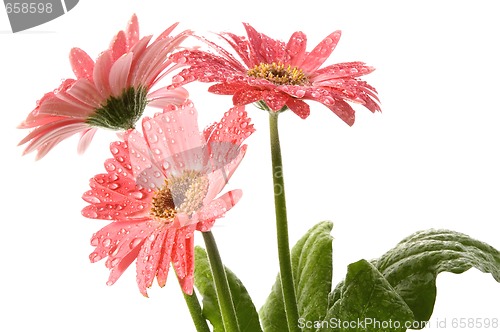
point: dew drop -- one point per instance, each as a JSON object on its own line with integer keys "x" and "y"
{"x": 153, "y": 138}
{"x": 93, "y": 200}
{"x": 113, "y": 186}
{"x": 110, "y": 167}
{"x": 114, "y": 262}
{"x": 137, "y": 194}
{"x": 94, "y": 242}
{"x": 91, "y": 214}
{"x": 94, "y": 257}
{"x": 134, "y": 243}
{"x": 114, "y": 150}
{"x": 147, "y": 125}
{"x": 178, "y": 79}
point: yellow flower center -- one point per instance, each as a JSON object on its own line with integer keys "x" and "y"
{"x": 183, "y": 193}
{"x": 279, "y": 74}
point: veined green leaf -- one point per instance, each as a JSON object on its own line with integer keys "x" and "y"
{"x": 248, "y": 319}
{"x": 312, "y": 270}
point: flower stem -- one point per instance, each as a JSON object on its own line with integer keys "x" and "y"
{"x": 196, "y": 313}
{"x": 286, "y": 274}
{"x": 226, "y": 306}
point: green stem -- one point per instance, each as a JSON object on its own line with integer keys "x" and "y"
{"x": 196, "y": 313}
{"x": 286, "y": 274}
{"x": 226, "y": 306}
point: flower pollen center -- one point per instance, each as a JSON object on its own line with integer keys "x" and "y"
{"x": 279, "y": 73}
{"x": 184, "y": 193}
{"x": 162, "y": 205}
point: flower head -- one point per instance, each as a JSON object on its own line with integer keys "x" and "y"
{"x": 162, "y": 186}
{"x": 282, "y": 75}
{"x": 111, "y": 93}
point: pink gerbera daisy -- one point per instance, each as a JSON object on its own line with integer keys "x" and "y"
{"x": 110, "y": 93}
{"x": 281, "y": 75}
{"x": 161, "y": 187}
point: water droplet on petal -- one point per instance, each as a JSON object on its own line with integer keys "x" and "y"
{"x": 93, "y": 199}
{"x": 94, "y": 257}
{"x": 110, "y": 167}
{"x": 106, "y": 242}
{"x": 114, "y": 262}
{"x": 135, "y": 242}
{"x": 113, "y": 186}
{"x": 137, "y": 194}
{"x": 177, "y": 79}
{"x": 114, "y": 150}
{"x": 153, "y": 138}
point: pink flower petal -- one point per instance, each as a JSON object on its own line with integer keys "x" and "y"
{"x": 164, "y": 264}
{"x": 248, "y": 96}
{"x": 169, "y": 146}
{"x": 118, "y": 46}
{"x": 163, "y": 97}
{"x": 296, "y": 48}
{"x": 132, "y": 31}
{"x": 85, "y": 140}
{"x": 149, "y": 258}
{"x": 234, "y": 127}
{"x": 216, "y": 209}
{"x": 82, "y": 64}
{"x": 85, "y": 91}
{"x": 119, "y": 73}
{"x": 320, "y": 53}
{"x": 101, "y": 74}
{"x": 298, "y": 107}
{"x": 266, "y": 49}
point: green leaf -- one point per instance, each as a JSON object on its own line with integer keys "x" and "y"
{"x": 365, "y": 301}
{"x": 248, "y": 319}
{"x": 312, "y": 270}
{"x": 413, "y": 265}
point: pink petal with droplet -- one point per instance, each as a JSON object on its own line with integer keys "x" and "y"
{"x": 163, "y": 97}
{"x": 320, "y": 53}
{"x": 219, "y": 178}
{"x": 267, "y": 50}
{"x": 343, "y": 111}
{"x": 216, "y": 209}
{"x": 63, "y": 104}
{"x": 178, "y": 137}
{"x": 164, "y": 264}
{"x": 147, "y": 173}
{"x": 132, "y": 31}
{"x": 101, "y": 74}
{"x": 296, "y": 48}
{"x": 118, "y": 46}
{"x": 183, "y": 258}
{"x": 298, "y": 107}
{"x": 149, "y": 259}
{"x": 82, "y": 64}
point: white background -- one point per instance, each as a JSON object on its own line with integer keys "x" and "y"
{"x": 430, "y": 160}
